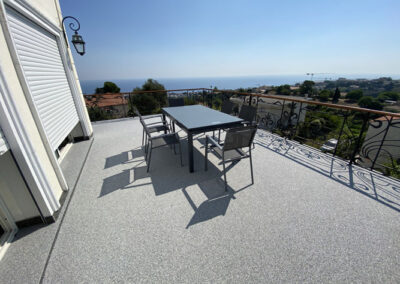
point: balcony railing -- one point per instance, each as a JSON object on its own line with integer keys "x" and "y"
{"x": 365, "y": 137}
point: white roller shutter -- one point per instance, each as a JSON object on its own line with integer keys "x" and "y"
{"x": 44, "y": 72}
{"x": 3, "y": 143}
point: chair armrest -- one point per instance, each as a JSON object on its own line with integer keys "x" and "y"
{"x": 214, "y": 142}
{"x": 245, "y": 122}
{"x": 158, "y": 122}
{"x": 153, "y": 116}
{"x": 164, "y": 135}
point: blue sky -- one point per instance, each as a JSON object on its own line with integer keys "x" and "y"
{"x": 189, "y": 38}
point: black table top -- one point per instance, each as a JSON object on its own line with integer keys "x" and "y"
{"x": 198, "y": 117}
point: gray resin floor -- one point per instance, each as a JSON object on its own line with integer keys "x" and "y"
{"x": 307, "y": 218}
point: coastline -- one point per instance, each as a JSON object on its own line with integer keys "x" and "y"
{"x": 127, "y": 85}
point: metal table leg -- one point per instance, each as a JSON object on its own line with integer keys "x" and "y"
{"x": 164, "y": 122}
{"x": 190, "y": 152}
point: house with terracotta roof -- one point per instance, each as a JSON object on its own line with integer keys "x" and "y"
{"x": 114, "y": 104}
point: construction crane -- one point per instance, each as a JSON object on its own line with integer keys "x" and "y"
{"x": 312, "y": 74}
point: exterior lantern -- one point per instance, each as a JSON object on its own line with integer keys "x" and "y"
{"x": 77, "y": 39}
{"x": 78, "y": 43}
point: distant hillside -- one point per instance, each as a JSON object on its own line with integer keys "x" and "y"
{"x": 369, "y": 87}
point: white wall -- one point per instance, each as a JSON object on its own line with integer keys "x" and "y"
{"x": 13, "y": 191}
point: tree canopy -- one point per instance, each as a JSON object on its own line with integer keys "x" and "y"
{"x": 307, "y": 87}
{"x": 393, "y": 96}
{"x": 324, "y": 95}
{"x": 283, "y": 90}
{"x": 148, "y": 103}
{"x": 370, "y": 102}
{"x": 108, "y": 87}
{"x": 354, "y": 96}
{"x": 336, "y": 95}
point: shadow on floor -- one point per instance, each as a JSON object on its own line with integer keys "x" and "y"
{"x": 209, "y": 209}
{"x": 123, "y": 158}
{"x": 383, "y": 189}
{"x": 25, "y": 231}
{"x": 166, "y": 175}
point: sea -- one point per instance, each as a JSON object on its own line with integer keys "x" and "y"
{"x": 127, "y": 85}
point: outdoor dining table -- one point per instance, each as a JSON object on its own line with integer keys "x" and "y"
{"x": 195, "y": 119}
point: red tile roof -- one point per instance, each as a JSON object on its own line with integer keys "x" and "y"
{"x": 387, "y": 118}
{"x": 105, "y": 100}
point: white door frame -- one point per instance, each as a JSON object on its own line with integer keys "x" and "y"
{"x": 23, "y": 149}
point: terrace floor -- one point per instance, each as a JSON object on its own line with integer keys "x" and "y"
{"x": 308, "y": 217}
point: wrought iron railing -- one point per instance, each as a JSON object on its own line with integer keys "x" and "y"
{"x": 365, "y": 137}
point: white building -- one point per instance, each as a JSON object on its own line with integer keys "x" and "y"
{"x": 41, "y": 110}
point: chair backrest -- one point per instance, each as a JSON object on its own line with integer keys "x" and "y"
{"x": 144, "y": 126}
{"x": 227, "y": 107}
{"x": 239, "y": 137}
{"x": 248, "y": 113}
{"x": 175, "y": 102}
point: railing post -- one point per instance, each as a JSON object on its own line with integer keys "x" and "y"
{"x": 298, "y": 117}
{"x": 341, "y": 132}
{"x": 357, "y": 148}
{"x": 250, "y": 99}
{"x": 130, "y": 104}
{"x": 283, "y": 108}
{"x": 383, "y": 140}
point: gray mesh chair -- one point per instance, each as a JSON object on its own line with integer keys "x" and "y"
{"x": 231, "y": 150}
{"x": 175, "y": 102}
{"x": 153, "y": 127}
{"x": 227, "y": 107}
{"x": 160, "y": 141}
{"x": 248, "y": 114}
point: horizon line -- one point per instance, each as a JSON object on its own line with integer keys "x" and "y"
{"x": 338, "y": 75}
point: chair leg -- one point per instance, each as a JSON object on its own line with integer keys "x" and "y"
{"x": 223, "y": 165}
{"x": 206, "y": 155}
{"x": 146, "y": 145}
{"x": 180, "y": 152}
{"x": 149, "y": 160}
{"x": 251, "y": 168}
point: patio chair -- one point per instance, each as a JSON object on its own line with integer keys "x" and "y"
{"x": 169, "y": 139}
{"x": 231, "y": 150}
{"x": 248, "y": 114}
{"x": 175, "y": 102}
{"x": 153, "y": 127}
{"x": 227, "y": 106}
